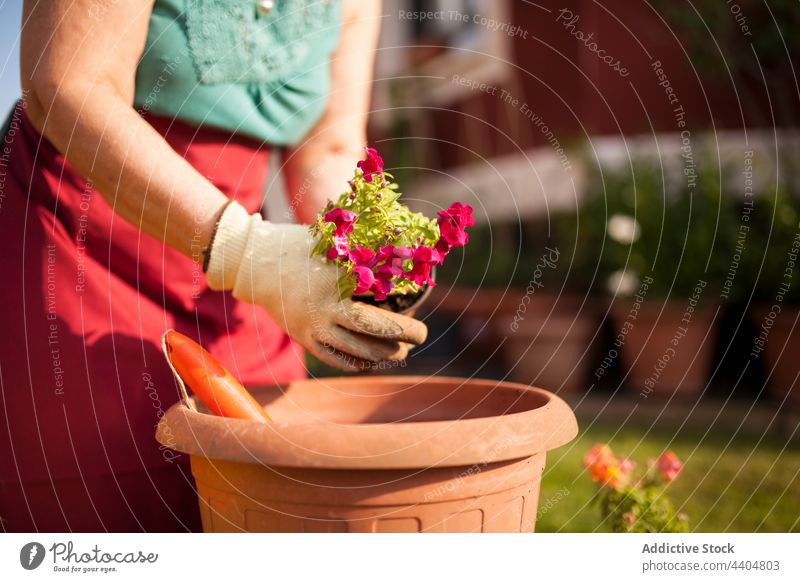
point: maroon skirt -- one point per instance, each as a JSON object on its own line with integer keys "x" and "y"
{"x": 85, "y": 299}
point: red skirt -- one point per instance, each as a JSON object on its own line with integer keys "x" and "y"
{"x": 85, "y": 299}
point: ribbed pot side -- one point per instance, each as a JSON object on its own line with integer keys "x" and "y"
{"x": 418, "y": 473}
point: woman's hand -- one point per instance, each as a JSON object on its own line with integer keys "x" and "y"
{"x": 270, "y": 265}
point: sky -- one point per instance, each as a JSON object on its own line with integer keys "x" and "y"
{"x": 10, "y": 16}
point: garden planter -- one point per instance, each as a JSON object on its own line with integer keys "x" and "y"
{"x": 375, "y": 454}
{"x": 476, "y": 315}
{"x": 548, "y": 341}
{"x": 781, "y": 351}
{"x": 661, "y": 354}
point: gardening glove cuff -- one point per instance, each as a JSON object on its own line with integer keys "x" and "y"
{"x": 227, "y": 247}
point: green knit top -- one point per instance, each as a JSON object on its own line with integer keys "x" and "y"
{"x": 255, "y": 67}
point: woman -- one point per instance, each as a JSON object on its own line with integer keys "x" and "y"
{"x": 134, "y": 170}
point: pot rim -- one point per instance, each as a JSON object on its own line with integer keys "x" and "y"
{"x": 399, "y": 445}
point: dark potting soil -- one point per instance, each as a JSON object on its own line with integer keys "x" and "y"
{"x": 396, "y": 303}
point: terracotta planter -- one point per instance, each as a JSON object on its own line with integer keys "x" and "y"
{"x": 390, "y": 454}
{"x": 478, "y": 313}
{"x": 548, "y": 343}
{"x": 781, "y": 351}
{"x": 663, "y": 356}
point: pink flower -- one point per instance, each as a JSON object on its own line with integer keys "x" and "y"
{"x": 423, "y": 259}
{"x": 362, "y": 256}
{"x": 604, "y": 467}
{"x": 390, "y": 259}
{"x": 339, "y": 248}
{"x": 375, "y": 279}
{"x": 364, "y": 278}
{"x": 342, "y": 219}
{"x": 372, "y": 165}
{"x": 626, "y": 466}
{"x": 669, "y": 465}
{"x": 628, "y": 517}
{"x": 453, "y": 223}
{"x": 597, "y": 454}
{"x": 382, "y": 285}
{"x": 391, "y": 251}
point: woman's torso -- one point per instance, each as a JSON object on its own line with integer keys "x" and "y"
{"x": 231, "y": 65}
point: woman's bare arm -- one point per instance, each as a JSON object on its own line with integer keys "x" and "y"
{"x": 78, "y": 65}
{"x": 318, "y": 169}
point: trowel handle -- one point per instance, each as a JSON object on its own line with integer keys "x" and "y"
{"x": 213, "y": 384}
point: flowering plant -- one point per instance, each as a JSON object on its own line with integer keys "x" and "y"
{"x": 381, "y": 246}
{"x": 631, "y": 502}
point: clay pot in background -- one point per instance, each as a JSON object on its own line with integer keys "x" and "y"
{"x": 375, "y": 454}
{"x": 480, "y": 318}
{"x": 549, "y": 342}
{"x": 781, "y": 351}
{"x": 654, "y": 366}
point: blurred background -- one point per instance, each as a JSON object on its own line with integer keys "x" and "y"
{"x": 633, "y": 167}
{"x": 634, "y": 172}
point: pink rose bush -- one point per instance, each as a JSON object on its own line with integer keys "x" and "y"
{"x": 632, "y": 502}
{"x": 381, "y": 246}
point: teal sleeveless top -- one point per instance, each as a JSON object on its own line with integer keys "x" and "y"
{"x": 259, "y": 68}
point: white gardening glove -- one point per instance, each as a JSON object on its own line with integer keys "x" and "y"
{"x": 270, "y": 265}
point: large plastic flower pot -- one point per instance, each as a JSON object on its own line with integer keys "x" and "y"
{"x": 374, "y": 454}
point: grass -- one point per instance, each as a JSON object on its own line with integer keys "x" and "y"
{"x": 730, "y": 482}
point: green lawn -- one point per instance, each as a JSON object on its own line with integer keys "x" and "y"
{"x": 729, "y": 483}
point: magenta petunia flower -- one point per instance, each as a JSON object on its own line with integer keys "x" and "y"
{"x": 390, "y": 259}
{"x": 365, "y": 278}
{"x": 391, "y": 251}
{"x": 382, "y": 286}
{"x": 362, "y": 257}
{"x": 424, "y": 258}
{"x": 342, "y": 219}
{"x": 372, "y": 165}
{"x": 339, "y": 249}
{"x": 453, "y": 223}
